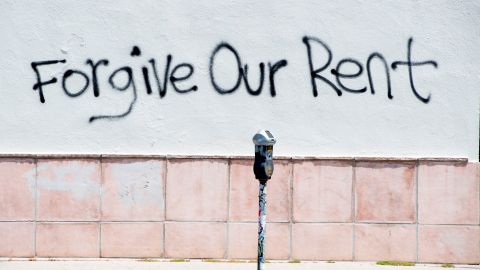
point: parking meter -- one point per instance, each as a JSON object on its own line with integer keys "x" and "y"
{"x": 263, "y": 165}
{"x": 263, "y": 170}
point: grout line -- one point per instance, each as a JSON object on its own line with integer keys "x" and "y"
{"x": 416, "y": 207}
{"x": 164, "y": 179}
{"x": 100, "y": 208}
{"x": 234, "y": 222}
{"x": 91, "y": 222}
{"x": 103, "y": 221}
{"x": 227, "y": 224}
{"x": 129, "y": 222}
{"x": 290, "y": 210}
{"x": 239, "y": 222}
{"x": 35, "y": 210}
{"x": 449, "y": 225}
{"x": 353, "y": 213}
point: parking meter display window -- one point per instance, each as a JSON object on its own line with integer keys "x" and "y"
{"x": 263, "y": 166}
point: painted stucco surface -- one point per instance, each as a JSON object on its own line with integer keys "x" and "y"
{"x": 439, "y": 118}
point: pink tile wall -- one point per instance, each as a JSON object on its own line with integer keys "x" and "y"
{"x": 448, "y": 193}
{"x": 197, "y": 190}
{"x": 454, "y": 244}
{"x": 385, "y": 192}
{"x": 325, "y": 241}
{"x": 242, "y": 241}
{"x": 322, "y": 191}
{"x": 199, "y": 207}
{"x": 244, "y": 192}
{"x": 133, "y": 190}
{"x": 17, "y": 239}
{"x": 67, "y": 240}
{"x": 68, "y": 190}
{"x": 17, "y": 189}
{"x": 136, "y": 239}
{"x": 375, "y": 242}
{"x": 195, "y": 240}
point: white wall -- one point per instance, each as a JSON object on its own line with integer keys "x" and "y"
{"x": 206, "y": 122}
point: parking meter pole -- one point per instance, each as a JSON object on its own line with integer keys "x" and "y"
{"x": 263, "y": 170}
{"x": 262, "y": 216}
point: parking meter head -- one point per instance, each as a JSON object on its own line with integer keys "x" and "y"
{"x": 264, "y": 137}
{"x": 263, "y": 165}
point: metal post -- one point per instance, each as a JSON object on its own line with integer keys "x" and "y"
{"x": 263, "y": 170}
{"x": 262, "y": 216}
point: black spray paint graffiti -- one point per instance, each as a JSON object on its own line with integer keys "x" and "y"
{"x": 176, "y": 75}
{"x": 315, "y": 73}
{"x": 243, "y": 73}
{"x": 170, "y": 78}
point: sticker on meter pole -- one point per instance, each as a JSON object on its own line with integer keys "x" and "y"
{"x": 269, "y": 169}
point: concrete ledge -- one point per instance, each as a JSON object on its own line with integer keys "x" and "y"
{"x": 157, "y": 156}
